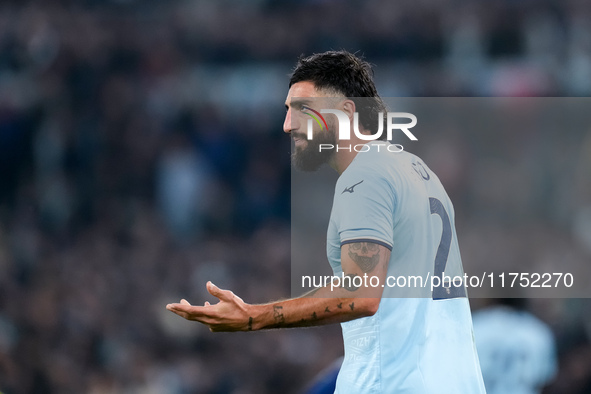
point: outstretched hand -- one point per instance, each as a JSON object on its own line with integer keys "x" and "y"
{"x": 229, "y": 314}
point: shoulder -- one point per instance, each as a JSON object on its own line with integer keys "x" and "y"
{"x": 364, "y": 175}
{"x": 377, "y": 162}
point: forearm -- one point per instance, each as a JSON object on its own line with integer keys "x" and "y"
{"x": 325, "y": 306}
{"x": 331, "y": 304}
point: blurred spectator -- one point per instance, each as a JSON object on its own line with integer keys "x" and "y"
{"x": 182, "y": 185}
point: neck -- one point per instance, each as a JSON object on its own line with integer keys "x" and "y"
{"x": 343, "y": 157}
{"x": 341, "y": 160}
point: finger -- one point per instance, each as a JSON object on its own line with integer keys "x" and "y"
{"x": 189, "y": 312}
{"x": 185, "y": 302}
{"x": 181, "y": 309}
{"x": 215, "y": 291}
{"x": 207, "y": 303}
{"x": 179, "y": 312}
{"x": 193, "y": 310}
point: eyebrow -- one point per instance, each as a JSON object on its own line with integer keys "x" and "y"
{"x": 299, "y": 102}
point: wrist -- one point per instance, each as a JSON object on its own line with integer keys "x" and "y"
{"x": 255, "y": 317}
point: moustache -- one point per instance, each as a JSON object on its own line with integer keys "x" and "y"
{"x": 298, "y": 136}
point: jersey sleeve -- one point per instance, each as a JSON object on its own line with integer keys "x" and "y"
{"x": 363, "y": 204}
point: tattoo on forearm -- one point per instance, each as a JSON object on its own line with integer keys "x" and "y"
{"x": 326, "y": 310}
{"x": 365, "y": 254}
{"x": 278, "y": 314}
{"x": 250, "y": 324}
{"x": 352, "y": 305}
{"x": 349, "y": 282}
{"x": 340, "y": 306}
{"x": 314, "y": 316}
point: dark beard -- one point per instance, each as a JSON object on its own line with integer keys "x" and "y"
{"x": 310, "y": 158}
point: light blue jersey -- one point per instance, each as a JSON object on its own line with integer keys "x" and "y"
{"x": 421, "y": 344}
{"x": 516, "y": 350}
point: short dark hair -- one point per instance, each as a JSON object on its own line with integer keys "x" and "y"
{"x": 344, "y": 73}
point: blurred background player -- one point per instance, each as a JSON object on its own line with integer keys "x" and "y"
{"x": 325, "y": 382}
{"x": 517, "y": 350}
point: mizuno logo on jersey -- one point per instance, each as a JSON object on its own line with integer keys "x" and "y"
{"x": 350, "y": 188}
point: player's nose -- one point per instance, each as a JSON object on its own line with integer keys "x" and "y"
{"x": 288, "y": 124}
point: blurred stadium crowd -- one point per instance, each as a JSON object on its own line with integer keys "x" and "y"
{"x": 141, "y": 154}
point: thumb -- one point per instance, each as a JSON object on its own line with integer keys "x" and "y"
{"x": 185, "y": 302}
{"x": 216, "y": 291}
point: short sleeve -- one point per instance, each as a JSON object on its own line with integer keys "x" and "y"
{"x": 364, "y": 208}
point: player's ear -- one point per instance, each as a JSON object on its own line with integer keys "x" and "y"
{"x": 349, "y": 109}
